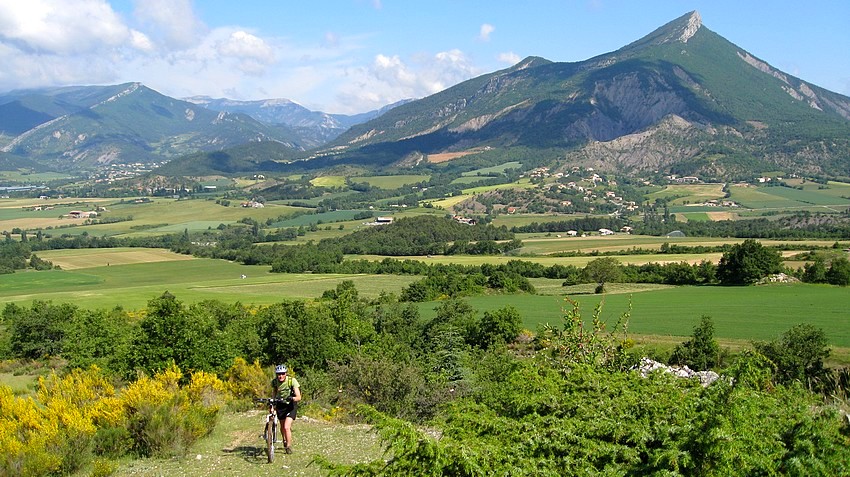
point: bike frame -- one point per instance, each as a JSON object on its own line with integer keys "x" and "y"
{"x": 271, "y": 426}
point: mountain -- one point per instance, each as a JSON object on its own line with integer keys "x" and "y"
{"x": 681, "y": 99}
{"x": 314, "y": 128}
{"x": 87, "y": 127}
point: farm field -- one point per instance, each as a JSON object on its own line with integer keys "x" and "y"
{"x": 500, "y": 169}
{"x": 134, "y": 277}
{"x": 547, "y": 260}
{"x": 132, "y": 284}
{"x": 328, "y": 181}
{"x": 739, "y": 313}
{"x": 158, "y": 216}
{"x": 391, "y": 182}
{"x": 542, "y": 245}
{"x": 688, "y": 193}
{"x": 810, "y": 198}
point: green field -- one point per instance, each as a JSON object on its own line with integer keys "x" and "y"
{"x": 500, "y": 169}
{"x": 329, "y": 181}
{"x": 135, "y": 276}
{"x": 540, "y": 244}
{"x": 131, "y": 285}
{"x": 391, "y": 182}
{"x": 158, "y": 216}
{"x": 739, "y": 313}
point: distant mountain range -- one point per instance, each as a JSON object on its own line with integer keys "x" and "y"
{"x": 85, "y": 127}
{"x": 681, "y": 100}
{"x": 314, "y": 128}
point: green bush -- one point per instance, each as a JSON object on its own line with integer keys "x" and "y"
{"x": 701, "y": 352}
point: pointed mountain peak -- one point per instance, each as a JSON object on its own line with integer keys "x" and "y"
{"x": 679, "y": 30}
{"x": 693, "y": 24}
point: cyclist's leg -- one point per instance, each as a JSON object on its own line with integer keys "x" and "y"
{"x": 287, "y": 433}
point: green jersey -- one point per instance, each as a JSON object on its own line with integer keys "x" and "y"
{"x": 284, "y": 389}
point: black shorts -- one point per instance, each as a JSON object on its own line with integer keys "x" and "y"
{"x": 284, "y": 411}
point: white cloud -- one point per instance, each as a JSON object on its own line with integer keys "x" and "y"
{"x": 61, "y": 27}
{"x": 252, "y": 53}
{"x": 509, "y": 57}
{"x": 390, "y": 79}
{"x": 172, "y": 23}
{"x": 485, "y": 32}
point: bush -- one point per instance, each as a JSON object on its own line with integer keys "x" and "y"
{"x": 798, "y": 355}
{"x": 701, "y": 352}
{"x": 165, "y": 419}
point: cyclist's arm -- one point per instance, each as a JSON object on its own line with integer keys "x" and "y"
{"x": 297, "y": 396}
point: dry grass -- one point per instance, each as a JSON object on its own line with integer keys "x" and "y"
{"x": 448, "y": 156}
{"x": 88, "y": 258}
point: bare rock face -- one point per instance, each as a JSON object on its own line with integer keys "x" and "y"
{"x": 648, "y": 366}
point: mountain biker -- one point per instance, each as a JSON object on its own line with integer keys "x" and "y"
{"x": 287, "y": 388}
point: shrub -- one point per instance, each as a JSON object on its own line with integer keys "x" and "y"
{"x": 164, "y": 419}
{"x": 246, "y": 381}
{"x": 701, "y": 352}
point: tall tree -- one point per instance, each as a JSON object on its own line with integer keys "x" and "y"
{"x": 747, "y": 262}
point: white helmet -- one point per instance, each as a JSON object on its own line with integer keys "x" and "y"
{"x": 280, "y": 369}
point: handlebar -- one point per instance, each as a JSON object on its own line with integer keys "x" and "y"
{"x": 271, "y": 401}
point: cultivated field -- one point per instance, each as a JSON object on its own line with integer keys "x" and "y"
{"x": 391, "y": 182}
{"x": 92, "y": 283}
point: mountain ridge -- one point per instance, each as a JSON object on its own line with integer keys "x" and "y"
{"x": 731, "y": 99}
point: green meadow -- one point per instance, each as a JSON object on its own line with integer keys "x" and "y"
{"x": 739, "y": 313}
{"x": 391, "y": 182}
{"x": 500, "y": 169}
{"x": 138, "y": 280}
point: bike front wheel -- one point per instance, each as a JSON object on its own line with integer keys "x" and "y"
{"x": 269, "y": 436}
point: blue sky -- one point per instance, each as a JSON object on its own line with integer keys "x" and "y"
{"x": 349, "y": 56}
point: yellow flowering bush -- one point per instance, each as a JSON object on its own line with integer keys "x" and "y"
{"x": 165, "y": 418}
{"x": 28, "y": 435}
{"x": 247, "y": 381}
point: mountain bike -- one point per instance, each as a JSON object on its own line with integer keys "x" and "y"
{"x": 270, "y": 424}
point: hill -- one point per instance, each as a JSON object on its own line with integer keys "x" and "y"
{"x": 681, "y": 99}
{"x": 84, "y": 128}
{"x": 314, "y": 128}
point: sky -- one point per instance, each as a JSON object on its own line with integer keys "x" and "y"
{"x": 352, "y": 56}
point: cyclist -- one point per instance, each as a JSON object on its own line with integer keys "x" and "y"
{"x": 287, "y": 388}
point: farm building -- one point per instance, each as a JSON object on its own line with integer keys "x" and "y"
{"x": 79, "y": 214}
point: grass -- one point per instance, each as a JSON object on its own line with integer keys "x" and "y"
{"x": 19, "y": 384}
{"x": 739, "y": 313}
{"x": 500, "y": 169}
{"x": 130, "y": 282}
{"x": 328, "y": 181}
{"x": 688, "y": 193}
{"x": 235, "y": 449}
{"x": 392, "y": 182}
